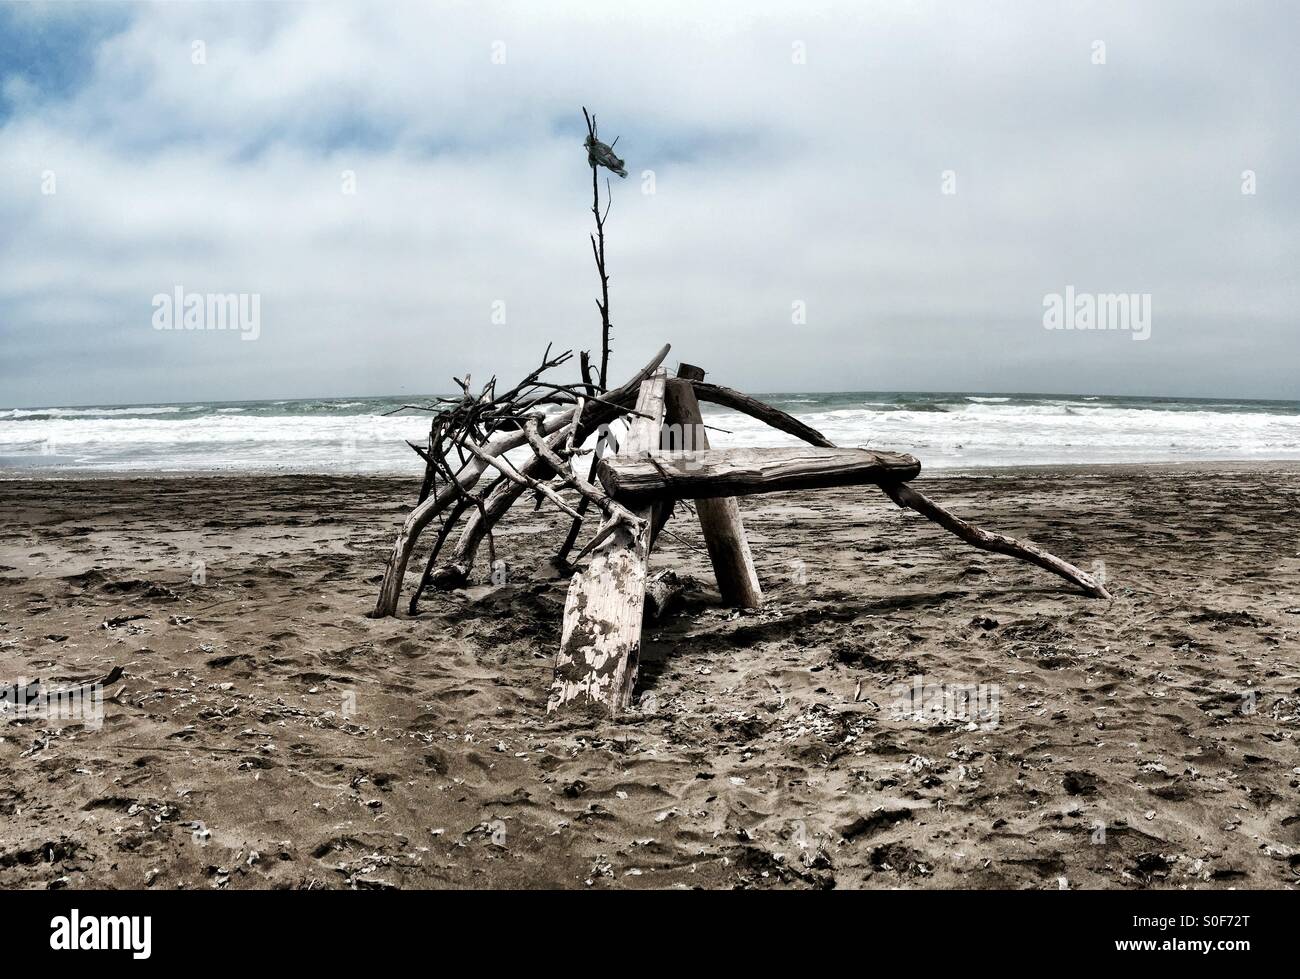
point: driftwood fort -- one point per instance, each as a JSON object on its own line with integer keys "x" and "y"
{"x": 649, "y": 451}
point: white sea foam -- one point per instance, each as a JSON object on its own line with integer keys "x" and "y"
{"x": 20, "y": 413}
{"x": 943, "y": 431}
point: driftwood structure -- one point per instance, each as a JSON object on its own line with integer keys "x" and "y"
{"x": 486, "y": 449}
{"x": 657, "y": 455}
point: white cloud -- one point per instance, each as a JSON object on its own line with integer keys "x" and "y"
{"x": 775, "y": 182}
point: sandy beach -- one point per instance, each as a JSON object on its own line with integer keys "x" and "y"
{"x": 265, "y": 733}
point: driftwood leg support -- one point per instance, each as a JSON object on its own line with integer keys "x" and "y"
{"x": 600, "y": 646}
{"x": 905, "y": 496}
{"x": 724, "y": 531}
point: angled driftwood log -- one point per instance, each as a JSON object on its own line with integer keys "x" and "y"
{"x": 720, "y": 520}
{"x": 600, "y": 645}
{"x": 700, "y": 475}
{"x": 774, "y": 417}
{"x": 907, "y": 496}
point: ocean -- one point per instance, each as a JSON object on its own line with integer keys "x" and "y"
{"x": 944, "y": 430}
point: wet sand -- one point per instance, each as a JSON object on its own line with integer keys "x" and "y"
{"x": 266, "y": 733}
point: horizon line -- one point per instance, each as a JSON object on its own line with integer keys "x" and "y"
{"x": 916, "y": 391}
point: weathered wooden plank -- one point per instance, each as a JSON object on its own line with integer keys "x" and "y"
{"x": 699, "y": 474}
{"x": 600, "y": 646}
{"x": 720, "y": 520}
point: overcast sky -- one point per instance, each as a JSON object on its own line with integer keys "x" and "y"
{"x": 797, "y": 151}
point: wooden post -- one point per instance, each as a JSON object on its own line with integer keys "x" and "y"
{"x": 724, "y": 532}
{"x": 600, "y": 645}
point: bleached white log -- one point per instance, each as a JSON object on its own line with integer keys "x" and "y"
{"x": 600, "y": 646}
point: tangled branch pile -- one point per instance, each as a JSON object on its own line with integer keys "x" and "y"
{"x": 472, "y": 434}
